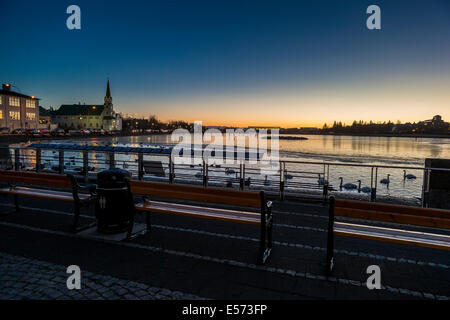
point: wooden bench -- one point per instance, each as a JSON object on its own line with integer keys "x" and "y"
{"x": 402, "y": 215}
{"x": 263, "y": 218}
{"x": 43, "y": 185}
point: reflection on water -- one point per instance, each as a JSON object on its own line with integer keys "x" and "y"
{"x": 368, "y": 149}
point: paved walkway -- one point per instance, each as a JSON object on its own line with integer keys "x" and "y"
{"x": 208, "y": 259}
{"x": 22, "y": 278}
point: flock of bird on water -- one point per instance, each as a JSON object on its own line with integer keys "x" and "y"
{"x": 385, "y": 181}
{"x": 321, "y": 181}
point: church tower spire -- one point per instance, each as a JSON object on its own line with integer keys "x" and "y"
{"x": 108, "y": 91}
{"x": 108, "y": 101}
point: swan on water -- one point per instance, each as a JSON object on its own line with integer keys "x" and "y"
{"x": 199, "y": 175}
{"x": 387, "y": 180}
{"x": 229, "y": 171}
{"x": 347, "y": 186}
{"x": 287, "y": 176}
{"x": 363, "y": 189}
{"x": 408, "y": 176}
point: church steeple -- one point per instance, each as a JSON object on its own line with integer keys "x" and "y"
{"x": 108, "y": 91}
{"x": 108, "y": 101}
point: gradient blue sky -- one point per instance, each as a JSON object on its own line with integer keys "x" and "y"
{"x": 288, "y": 63}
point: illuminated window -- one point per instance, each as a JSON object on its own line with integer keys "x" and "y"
{"x": 1, "y": 114}
{"x": 31, "y": 116}
{"x": 14, "y": 101}
{"x": 31, "y": 104}
{"x": 14, "y": 115}
{"x": 1, "y": 100}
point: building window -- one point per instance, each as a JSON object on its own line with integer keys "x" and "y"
{"x": 1, "y": 100}
{"x": 14, "y": 115}
{"x": 31, "y": 116}
{"x": 14, "y": 101}
{"x": 1, "y": 113}
{"x": 31, "y": 104}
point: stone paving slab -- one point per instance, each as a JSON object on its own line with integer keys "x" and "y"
{"x": 29, "y": 279}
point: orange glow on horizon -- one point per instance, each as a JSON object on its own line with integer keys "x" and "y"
{"x": 378, "y": 100}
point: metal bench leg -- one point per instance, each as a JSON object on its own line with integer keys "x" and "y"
{"x": 76, "y": 218}
{"x": 265, "y": 245}
{"x": 262, "y": 245}
{"x": 330, "y": 238}
{"x": 130, "y": 234}
{"x": 269, "y": 234}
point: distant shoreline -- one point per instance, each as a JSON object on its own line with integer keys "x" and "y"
{"x": 386, "y": 135}
{"x": 11, "y": 139}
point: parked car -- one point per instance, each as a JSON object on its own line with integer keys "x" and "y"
{"x": 4, "y": 130}
{"x": 45, "y": 132}
{"x": 59, "y": 132}
{"x": 85, "y": 131}
{"x": 74, "y": 132}
{"x": 19, "y": 131}
{"x": 36, "y": 132}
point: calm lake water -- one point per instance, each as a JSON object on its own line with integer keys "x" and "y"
{"x": 391, "y": 151}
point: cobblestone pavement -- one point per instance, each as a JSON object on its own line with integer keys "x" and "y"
{"x": 29, "y": 279}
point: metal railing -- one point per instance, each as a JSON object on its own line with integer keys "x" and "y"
{"x": 287, "y": 179}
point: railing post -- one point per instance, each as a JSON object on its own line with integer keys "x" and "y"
{"x": 325, "y": 189}
{"x": 171, "y": 170}
{"x": 16, "y": 159}
{"x": 61, "y": 162}
{"x": 111, "y": 160}
{"x": 282, "y": 177}
{"x": 373, "y": 191}
{"x": 426, "y": 188}
{"x": 86, "y": 166}
{"x": 241, "y": 176}
{"x": 38, "y": 160}
{"x": 140, "y": 166}
{"x": 205, "y": 173}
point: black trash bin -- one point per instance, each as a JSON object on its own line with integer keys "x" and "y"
{"x": 113, "y": 208}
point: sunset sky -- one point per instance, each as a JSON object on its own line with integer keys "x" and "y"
{"x": 281, "y": 63}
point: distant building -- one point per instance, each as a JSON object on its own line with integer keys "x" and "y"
{"x": 308, "y": 130}
{"x": 45, "y": 119}
{"x": 18, "y": 110}
{"x": 436, "y": 122}
{"x": 432, "y": 126}
{"x": 83, "y": 116}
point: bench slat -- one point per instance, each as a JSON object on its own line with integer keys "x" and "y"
{"x": 194, "y": 193}
{"x": 421, "y": 239}
{"x": 36, "y": 178}
{"x": 393, "y": 208}
{"x": 393, "y": 217}
{"x": 42, "y": 193}
{"x": 195, "y": 211}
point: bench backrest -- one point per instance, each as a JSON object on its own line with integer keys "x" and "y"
{"x": 36, "y": 178}
{"x": 426, "y": 217}
{"x": 195, "y": 193}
